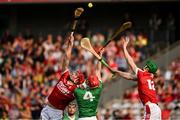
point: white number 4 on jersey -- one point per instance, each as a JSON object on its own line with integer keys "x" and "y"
{"x": 88, "y": 96}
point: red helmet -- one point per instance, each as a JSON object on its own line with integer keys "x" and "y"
{"x": 81, "y": 77}
{"x": 79, "y": 74}
{"x": 93, "y": 81}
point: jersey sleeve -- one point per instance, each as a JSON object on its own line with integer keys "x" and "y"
{"x": 60, "y": 73}
{"x": 138, "y": 72}
{"x": 76, "y": 91}
{"x": 65, "y": 72}
{"x": 64, "y": 76}
{"x": 65, "y": 117}
{"x": 100, "y": 83}
{"x": 100, "y": 80}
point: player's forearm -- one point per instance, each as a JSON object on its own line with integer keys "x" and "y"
{"x": 65, "y": 63}
{"x": 99, "y": 66}
{"x": 127, "y": 76}
{"x": 68, "y": 51}
{"x": 98, "y": 69}
{"x": 103, "y": 61}
{"x": 66, "y": 59}
{"x": 69, "y": 47}
{"x": 129, "y": 59}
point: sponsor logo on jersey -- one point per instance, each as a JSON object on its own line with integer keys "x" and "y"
{"x": 63, "y": 88}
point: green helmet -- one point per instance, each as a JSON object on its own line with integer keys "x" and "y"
{"x": 152, "y": 66}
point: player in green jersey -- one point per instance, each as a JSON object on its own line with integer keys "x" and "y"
{"x": 88, "y": 98}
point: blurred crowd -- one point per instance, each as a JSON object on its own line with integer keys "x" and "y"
{"x": 168, "y": 92}
{"x": 30, "y": 67}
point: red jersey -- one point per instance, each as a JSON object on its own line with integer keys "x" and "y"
{"x": 146, "y": 89}
{"x": 62, "y": 93}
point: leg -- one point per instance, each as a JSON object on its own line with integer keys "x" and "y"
{"x": 147, "y": 112}
{"x": 155, "y": 112}
{"x": 49, "y": 113}
{"x": 44, "y": 114}
{"x": 56, "y": 115}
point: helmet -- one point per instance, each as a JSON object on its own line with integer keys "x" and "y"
{"x": 81, "y": 77}
{"x": 151, "y": 65}
{"x": 93, "y": 81}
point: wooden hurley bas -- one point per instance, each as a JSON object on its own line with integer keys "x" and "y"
{"x": 77, "y": 14}
{"x": 85, "y": 43}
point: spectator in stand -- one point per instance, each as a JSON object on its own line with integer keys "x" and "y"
{"x": 5, "y": 105}
{"x": 25, "y": 111}
{"x": 165, "y": 112}
{"x": 141, "y": 44}
{"x": 120, "y": 59}
{"x": 175, "y": 113}
{"x": 107, "y": 115}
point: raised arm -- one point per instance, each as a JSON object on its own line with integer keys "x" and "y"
{"x": 99, "y": 65}
{"x": 126, "y": 75}
{"x": 68, "y": 49}
{"x": 127, "y": 56}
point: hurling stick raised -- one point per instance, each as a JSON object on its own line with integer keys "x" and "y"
{"x": 77, "y": 14}
{"x": 121, "y": 29}
{"x": 85, "y": 43}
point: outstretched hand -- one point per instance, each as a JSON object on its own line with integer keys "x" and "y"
{"x": 114, "y": 72}
{"x": 71, "y": 40}
{"x": 101, "y": 52}
{"x": 125, "y": 41}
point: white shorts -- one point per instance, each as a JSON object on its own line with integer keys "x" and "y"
{"x": 152, "y": 112}
{"x": 49, "y": 113}
{"x": 88, "y": 118}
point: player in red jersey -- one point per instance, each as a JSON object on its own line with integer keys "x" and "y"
{"x": 146, "y": 88}
{"x": 62, "y": 93}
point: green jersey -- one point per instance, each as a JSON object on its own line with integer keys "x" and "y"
{"x": 87, "y": 100}
{"x": 66, "y": 117}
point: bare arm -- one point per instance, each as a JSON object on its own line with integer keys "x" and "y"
{"x": 99, "y": 66}
{"x": 127, "y": 56}
{"x": 126, "y": 75}
{"x": 68, "y": 50}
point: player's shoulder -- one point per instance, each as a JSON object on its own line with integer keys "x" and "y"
{"x": 100, "y": 81}
{"x": 65, "y": 117}
{"x": 138, "y": 70}
{"x": 65, "y": 71}
{"x": 78, "y": 90}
